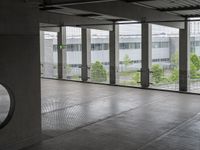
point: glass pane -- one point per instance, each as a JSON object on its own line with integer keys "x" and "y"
{"x": 194, "y": 57}
{"x": 73, "y": 54}
{"x": 165, "y": 58}
{"x": 99, "y": 69}
{"x": 49, "y": 54}
{"x": 4, "y": 104}
{"x": 129, "y": 54}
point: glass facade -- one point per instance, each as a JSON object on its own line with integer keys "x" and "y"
{"x": 100, "y": 64}
{"x": 164, "y": 62}
{"x": 164, "y": 56}
{"x": 194, "y": 58}
{"x": 72, "y": 54}
{"x": 129, "y": 55}
{"x": 49, "y": 54}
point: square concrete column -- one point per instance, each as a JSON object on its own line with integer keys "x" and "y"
{"x": 20, "y": 71}
{"x": 146, "y": 54}
{"x": 114, "y": 54}
{"x": 61, "y": 52}
{"x": 183, "y": 57}
{"x": 86, "y": 54}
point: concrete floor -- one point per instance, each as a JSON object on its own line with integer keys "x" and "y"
{"x": 77, "y": 116}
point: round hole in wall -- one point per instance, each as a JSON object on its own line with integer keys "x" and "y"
{"x": 6, "y": 105}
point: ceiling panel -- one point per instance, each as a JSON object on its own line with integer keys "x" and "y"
{"x": 180, "y": 7}
{"x": 164, "y": 4}
{"x": 188, "y": 12}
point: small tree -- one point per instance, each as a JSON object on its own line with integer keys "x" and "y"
{"x": 195, "y": 60}
{"x": 174, "y": 75}
{"x": 136, "y": 77}
{"x": 68, "y": 69}
{"x": 175, "y": 58}
{"x": 193, "y": 71}
{"x": 98, "y": 72}
{"x": 157, "y": 73}
{"x": 127, "y": 61}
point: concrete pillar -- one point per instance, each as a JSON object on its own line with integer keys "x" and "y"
{"x": 64, "y": 52}
{"x": 86, "y": 54}
{"x": 183, "y": 57}
{"x": 114, "y": 54}
{"x": 146, "y": 54}
{"x": 20, "y": 70}
{"x": 42, "y": 52}
{"x": 61, "y": 52}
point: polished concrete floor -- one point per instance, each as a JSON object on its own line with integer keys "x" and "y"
{"x": 78, "y": 116}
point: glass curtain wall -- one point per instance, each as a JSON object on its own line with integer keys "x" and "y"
{"x": 72, "y": 54}
{"x": 164, "y": 63}
{"x": 100, "y": 64}
{"x": 129, "y": 54}
{"x": 49, "y": 54}
{"x": 194, "y": 58}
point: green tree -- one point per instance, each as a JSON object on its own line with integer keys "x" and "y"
{"x": 98, "y": 72}
{"x": 68, "y": 69}
{"x": 174, "y": 75}
{"x": 195, "y": 60}
{"x": 193, "y": 70}
{"x": 127, "y": 61}
{"x": 136, "y": 77}
{"x": 157, "y": 73}
{"x": 175, "y": 58}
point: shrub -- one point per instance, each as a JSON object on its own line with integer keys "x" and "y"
{"x": 157, "y": 73}
{"x": 98, "y": 72}
{"x": 195, "y": 60}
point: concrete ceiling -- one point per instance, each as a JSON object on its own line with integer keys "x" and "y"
{"x": 185, "y": 8}
{"x": 165, "y": 12}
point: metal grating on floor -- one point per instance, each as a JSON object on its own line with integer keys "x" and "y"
{"x": 129, "y": 119}
{"x": 62, "y": 114}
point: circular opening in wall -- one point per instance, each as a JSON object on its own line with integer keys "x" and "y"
{"x": 6, "y": 105}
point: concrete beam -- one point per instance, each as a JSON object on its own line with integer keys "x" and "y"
{"x": 72, "y": 2}
{"x": 49, "y": 28}
{"x": 99, "y": 27}
{"x": 69, "y": 20}
{"x": 131, "y": 12}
